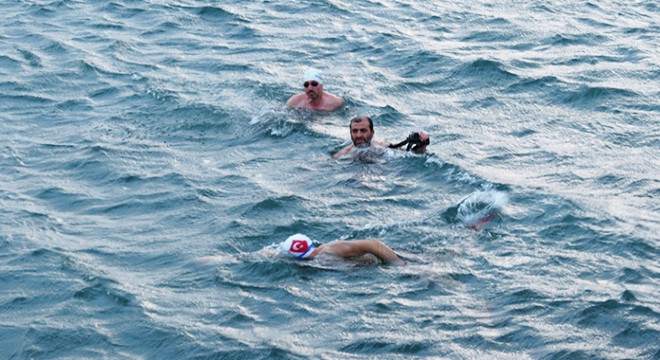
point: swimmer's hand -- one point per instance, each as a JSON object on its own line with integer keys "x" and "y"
{"x": 416, "y": 141}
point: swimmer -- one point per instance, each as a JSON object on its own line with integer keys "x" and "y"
{"x": 302, "y": 247}
{"x": 313, "y": 97}
{"x": 362, "y": 133}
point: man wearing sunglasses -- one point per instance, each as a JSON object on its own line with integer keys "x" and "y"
{"x": 313, "y": 97}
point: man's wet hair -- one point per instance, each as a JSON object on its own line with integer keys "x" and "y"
{"x": 358, "y": 119}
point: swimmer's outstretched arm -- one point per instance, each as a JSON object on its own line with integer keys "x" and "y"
{"x": 356, "y": 248}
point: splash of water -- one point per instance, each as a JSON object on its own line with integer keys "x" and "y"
{"x": 480, "y": 207}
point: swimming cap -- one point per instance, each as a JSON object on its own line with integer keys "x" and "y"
{"x": 298, "y": 245}
{"x": 313, "y": 74}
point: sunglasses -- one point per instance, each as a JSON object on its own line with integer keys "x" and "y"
{"x": 313, "y": 83}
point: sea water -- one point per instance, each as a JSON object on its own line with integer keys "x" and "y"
{"x": 149, "y": 168}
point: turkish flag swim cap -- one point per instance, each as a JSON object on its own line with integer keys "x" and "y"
{"x": 298, "y": 245}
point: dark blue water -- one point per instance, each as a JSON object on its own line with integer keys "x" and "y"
{"x": 148, "y": 166}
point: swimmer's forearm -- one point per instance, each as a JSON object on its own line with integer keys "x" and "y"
{"x": 383, "y": 252}
{"x": 376, "y": 248}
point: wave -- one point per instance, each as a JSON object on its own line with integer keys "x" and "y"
{"x": 574, "y": 39}
{"x": 281, "y": 123}
{"x": 9, "y": 63}
{"x": 590, "y": 96}
{"x": 290, "y": 203}
{"x": 482, "y": 73}
{"x": 542, "y": 84}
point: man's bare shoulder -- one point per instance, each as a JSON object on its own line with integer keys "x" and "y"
{"x": 297, "y": 100}
{"x": 335, "y": 101}
{"x": 343, "y": 151}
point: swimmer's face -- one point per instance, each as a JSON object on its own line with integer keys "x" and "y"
{"x": 361, "y": 133}
{"x": 312, "y": 90}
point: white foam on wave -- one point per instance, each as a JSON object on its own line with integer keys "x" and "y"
{"x": 480, "y": 204}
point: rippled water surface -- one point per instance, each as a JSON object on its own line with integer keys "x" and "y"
{"x": 149, "y": 167}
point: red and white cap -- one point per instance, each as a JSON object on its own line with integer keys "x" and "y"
{"x": 298, "y": 246}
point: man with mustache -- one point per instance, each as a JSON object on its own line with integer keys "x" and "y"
{"x": 362, "y": 133}
{"x": 313, "y": 97}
